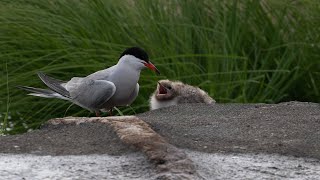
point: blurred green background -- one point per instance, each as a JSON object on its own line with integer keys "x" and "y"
{"x": 250, "y": 51}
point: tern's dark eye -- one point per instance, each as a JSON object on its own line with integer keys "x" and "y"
{"x": 169, "y": 87}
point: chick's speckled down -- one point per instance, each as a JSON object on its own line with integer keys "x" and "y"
{"x": 169, "y": 93}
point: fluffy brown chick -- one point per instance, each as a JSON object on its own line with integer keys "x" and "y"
{"x": 169, "y": 93}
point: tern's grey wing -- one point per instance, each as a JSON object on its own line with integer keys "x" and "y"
{"x": 54, "y": 84}
{"x": 103, "y": 74}
{"x": 75, "y": 82}
{"x": 90, "y": 93}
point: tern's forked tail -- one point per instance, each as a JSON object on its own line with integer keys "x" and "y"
{"x": 46, "y": 93}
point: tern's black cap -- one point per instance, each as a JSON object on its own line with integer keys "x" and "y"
{"x": 136, "y": 52}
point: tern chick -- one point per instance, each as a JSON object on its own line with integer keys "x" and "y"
{"x": 169, "y": 93}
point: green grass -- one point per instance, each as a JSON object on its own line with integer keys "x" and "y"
{"x": 239, "y": 51}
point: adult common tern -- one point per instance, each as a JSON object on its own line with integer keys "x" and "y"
{"x": 104, "y": 89}
{"x": 169, "y": 93}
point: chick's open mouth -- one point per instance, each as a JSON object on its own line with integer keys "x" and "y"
{"x": 162, "y": 89}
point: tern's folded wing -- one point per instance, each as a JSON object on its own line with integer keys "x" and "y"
{"x": 91, "y": 93}
{"x": 54, "y": 84}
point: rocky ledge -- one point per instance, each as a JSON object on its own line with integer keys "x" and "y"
{"x": 191, "y": 141}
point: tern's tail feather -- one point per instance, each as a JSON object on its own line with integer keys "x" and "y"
{"x": 42, "y": 92}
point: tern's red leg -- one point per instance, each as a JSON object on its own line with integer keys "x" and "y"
{"x": 97, "y": 113}
{"x": 110, "y": 111}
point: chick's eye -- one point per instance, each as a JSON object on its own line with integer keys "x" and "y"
{"x": 169, "y": 87}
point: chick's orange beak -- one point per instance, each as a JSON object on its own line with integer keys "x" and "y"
{"x": 152, "y": 67}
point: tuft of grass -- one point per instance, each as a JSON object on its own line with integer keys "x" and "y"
{"x": 239, "y": 51}
{"x": 4, "y": 123}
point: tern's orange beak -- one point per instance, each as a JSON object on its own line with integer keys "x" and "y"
{"x": 152, "y": 67}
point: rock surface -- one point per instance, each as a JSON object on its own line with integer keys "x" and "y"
{"x": 291, "y": 128}
{"x": 225, "y": 141}
{"x": 135, "y": 166}
{"x": 86, "y": 138}
{"x": 45, "y": 167}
